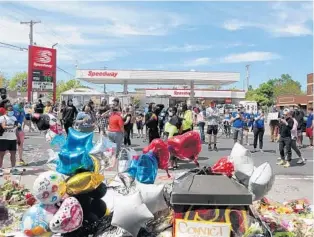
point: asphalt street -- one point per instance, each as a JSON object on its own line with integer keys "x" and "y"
{"x": 291, "y": 183}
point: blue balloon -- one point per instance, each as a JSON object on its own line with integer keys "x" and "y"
{"x": 58, "y": 141}
{"x": 74, "y": 154}
{"x": 133, "y": 168}
{"x": 79, "y": 141}
{"x": 147, "y": 168}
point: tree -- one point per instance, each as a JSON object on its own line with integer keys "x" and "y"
{"x": 16, "y": 82}
{"x": 267, "y": 92}
{"x": 67, "y": 85}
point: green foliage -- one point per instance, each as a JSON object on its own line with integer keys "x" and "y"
{"x": 16, "y": 82}
{"x": 267, "y": 92}
{"x": 63, "y": 86}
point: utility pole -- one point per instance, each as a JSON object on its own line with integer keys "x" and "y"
{"x": 31, "y": 24}
{"x": 247, "y": 77}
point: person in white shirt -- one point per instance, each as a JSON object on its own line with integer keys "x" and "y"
{"x": 8, "y": 138}
{"x": 294, "y": 137}
{"x": 212, "y": 117}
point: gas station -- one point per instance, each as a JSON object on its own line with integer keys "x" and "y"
{"x": 191, "y": 79}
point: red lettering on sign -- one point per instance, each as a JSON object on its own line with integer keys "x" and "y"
{"x": 102, "y": 74}
{"x": 181, "y": 93}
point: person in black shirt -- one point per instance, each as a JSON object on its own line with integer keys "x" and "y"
{"x": 39, "y": 107}
{"x": 299, "y": 116}
{"x": 68, "y": 115}
{"x": 285, "y": 126}
{"x": 127, "y": 118}
{"x": 151, "y": 121}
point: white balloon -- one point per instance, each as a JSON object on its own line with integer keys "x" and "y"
{"x": 239, "y": 151}
{"x": 153, "y": 196}
{"x": 130, "y": 213}
{"x": 261, "y": 181}
{"x": 243, "y": 172}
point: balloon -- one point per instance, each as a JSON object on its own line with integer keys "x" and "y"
{"x": 130, "y": 213}
{"x": 133, "y": 166}
{"x": 52, "y": 120}
{"x": 223, "y": 166}
{"x": 104, "y": 152}
{"x": 74, "y": 154}
{"x": 56, "y": 128}
{"x": 261, "y": 181}
{"x": 160, "y": 149}
{"x": 52, "y": 161}
{"x": 186, "y": 146}
{"x": 153, "y": 196}
{"x": 99, "y": 147}
{"x": 83, "y": 182}
{"x": 147, "y": 168}
{"x": 70, "y": 162}
{"x": 239, "y": 151}
{"x": 125, "y": 158}
{"x": 42, "y": 121}
{"x": 58, "y": 141}
{"x": 96, "y": 163}
{"x": 79, "y": 141}
{"x": 68, "y": 218}
{"x": 35, "y": 221}
{"x": 49, "y": 187}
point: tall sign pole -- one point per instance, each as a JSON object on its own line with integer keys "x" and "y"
{"x": 31, "y": 42}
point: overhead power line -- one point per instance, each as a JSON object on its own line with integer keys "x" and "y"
{"x": 31, "y": 32}
{"x": 14, "y": 47}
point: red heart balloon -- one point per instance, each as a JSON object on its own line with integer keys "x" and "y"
{"x": 160, "y": 150}
{"x": 186, "y": 146}
{"x": 223, "y": 166}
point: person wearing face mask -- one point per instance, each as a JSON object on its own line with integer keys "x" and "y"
{"x": 259, "y": 130}
{"x": 172, "y": 128}
{"x": 68, "y": 115}
{"x": 285, "y": 127}
{"x": 151, "y": 121}
{"x": 8, "y": 139}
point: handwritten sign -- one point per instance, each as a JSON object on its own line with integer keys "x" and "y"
{"x": 272, "y": 116}
{"x": 184, "y": 228}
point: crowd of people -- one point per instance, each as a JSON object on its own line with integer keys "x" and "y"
{"x": 118, "y": 123}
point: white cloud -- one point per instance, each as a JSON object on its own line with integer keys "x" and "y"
{"x": 233, "y": 45}
{"x": 197, "y": 62}
{"x": 184, "y": 48}
{"x": 115, "y": 20}
{"x": 249, "y": 57}
{"x": 281, "y": 20}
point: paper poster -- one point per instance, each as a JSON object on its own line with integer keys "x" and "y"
{"x": 185, "y": 228}
{"x": 272, "y": 116}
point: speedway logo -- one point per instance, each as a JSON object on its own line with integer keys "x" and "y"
{"x": 43, "y": 58}
{"x": 102, "y": 74}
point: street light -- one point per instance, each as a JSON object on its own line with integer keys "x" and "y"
{"x": 54, "y": 45}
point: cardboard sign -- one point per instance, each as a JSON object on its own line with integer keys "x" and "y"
{"x": 272, "y": 116}
{"x": 184, "y": 228}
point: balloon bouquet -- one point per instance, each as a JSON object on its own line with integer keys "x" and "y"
{"x": 69, "y": 198}
{"x": 54, "y": 132}
{"x": 185, "y": 147}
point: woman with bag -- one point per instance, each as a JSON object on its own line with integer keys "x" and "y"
{"x": 8, "y": 139}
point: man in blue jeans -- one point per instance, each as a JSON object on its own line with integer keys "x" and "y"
{"x": 237, "y": 121}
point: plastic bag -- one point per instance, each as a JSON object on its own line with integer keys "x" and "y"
{"x": 147, "y": 168}
{"x": 109, "y": 154}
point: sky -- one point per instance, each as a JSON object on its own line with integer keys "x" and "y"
{"x": 274, "y": 38}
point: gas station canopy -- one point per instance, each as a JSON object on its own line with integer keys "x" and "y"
{"x": 141, "y": 77}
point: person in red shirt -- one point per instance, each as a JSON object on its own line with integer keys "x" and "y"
{"x": 116, "y": 128}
